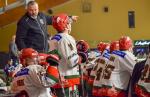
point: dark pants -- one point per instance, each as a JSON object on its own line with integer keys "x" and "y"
{"x": 68, "y": 93}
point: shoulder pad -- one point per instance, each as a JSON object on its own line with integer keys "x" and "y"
{"x": 106, "y": 55}
{"x": 56, "y": 37}
{"x": 119, "y": 53}
{"x": 22, "y": 72}
{"x": 107, "y": 50}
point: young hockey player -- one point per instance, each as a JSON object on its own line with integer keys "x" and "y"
{"x": 33, "y": 80}
{"x": 106, "y": 73}
{"x": 99, "y": 71}
{"x": 100, "y": 47}
{"x": 82, "y": 47}
{"x": 124, "y": 62}
{"x": 66, "y": 45}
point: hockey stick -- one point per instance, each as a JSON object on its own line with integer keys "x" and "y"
{"x": 61, "y": 83}
{"x": 81, "y": 78}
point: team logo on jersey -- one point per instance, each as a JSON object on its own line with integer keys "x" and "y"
{"x": 41, "y": 21}
{"x": 112, "y": 58}
{"x": 20, "y": 82}
{"x": 102, "y": 61}
{"x": 70, "y": 46}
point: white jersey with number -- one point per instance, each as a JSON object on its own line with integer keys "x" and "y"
{"x": 66, "y": 45}
{"x": 99, "y": 74}
{"x": 124, "y": 64}
{"x": 92, "y": 57}
{"x": 33, "y": 80}
{"x": 144, "y": 80}
{"x": 110, "y": 66}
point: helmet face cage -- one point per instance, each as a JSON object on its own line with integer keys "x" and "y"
{"x": 42, "y": 58}
{"x": 28, "y": 61}
{"x": 125, "y": 43}
{"x": 28, "y": 55}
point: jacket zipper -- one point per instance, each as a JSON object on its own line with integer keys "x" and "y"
{"x": 42, "y": 34}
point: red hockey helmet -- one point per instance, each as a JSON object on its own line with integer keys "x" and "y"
{"x": 28, "y": 53}
{"x": 82, "y": 46}
{"x": 101, "y": 46}
{"x": 125, "y": 43}
{"x": 114, "y": 46}
{"x": 60, "y": 22}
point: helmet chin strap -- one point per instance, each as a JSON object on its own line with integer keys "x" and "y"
{"x": 69, "y": 31}
{"x": 69, "y": 28}
{"x": 131, "y": 50}
{"x": 29, "y": 61}
{"x": 66, "y": 31}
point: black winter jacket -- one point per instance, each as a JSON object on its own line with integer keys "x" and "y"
{"x": 33, "y": 32}
{"x": 136, "y": 76}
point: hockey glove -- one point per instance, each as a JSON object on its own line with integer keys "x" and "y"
{"x": 83, "y": 57}
{"x": 53, "y": 59}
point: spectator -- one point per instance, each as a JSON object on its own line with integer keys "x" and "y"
{"x": 32, "y": 29}
{"x": 13, "y": 50}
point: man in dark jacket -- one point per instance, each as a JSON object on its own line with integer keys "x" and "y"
{"x": 32, "y": 29}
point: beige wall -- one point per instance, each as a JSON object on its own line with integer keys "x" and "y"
{"x": 5, "y": 36}
{"x": 98, "y": 25}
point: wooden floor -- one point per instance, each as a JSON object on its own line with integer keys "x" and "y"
{"x": 13, "y": 15}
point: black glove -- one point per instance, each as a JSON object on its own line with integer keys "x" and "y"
{"x": 83, "y": 57}
{"x": 53, "y": 59}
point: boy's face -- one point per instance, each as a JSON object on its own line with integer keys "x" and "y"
{"x": 31, "y": 61}
{"x": 69, "y": 28}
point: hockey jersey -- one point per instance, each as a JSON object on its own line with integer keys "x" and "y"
{"x": 100, "y": 73}
{"x": 34, "y": 80}
{"x": 142, "y": 88}
{"x": 124, "y": 64}
{"x": 66, "y": 45}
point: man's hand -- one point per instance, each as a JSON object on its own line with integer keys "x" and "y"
{"x": 74, "y": 18}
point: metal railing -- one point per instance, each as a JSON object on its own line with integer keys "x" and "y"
{"x": 13, "y": 5}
